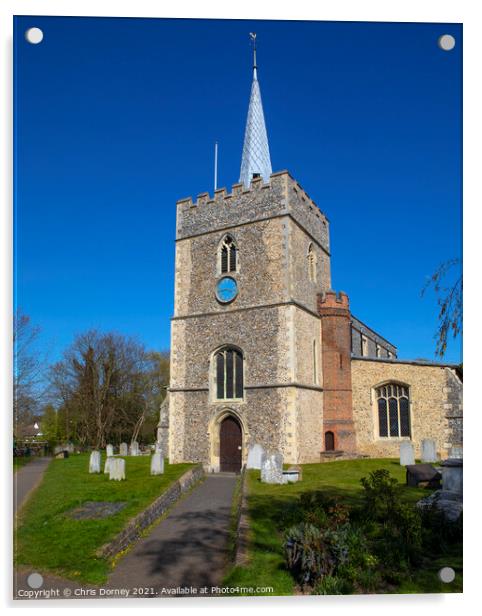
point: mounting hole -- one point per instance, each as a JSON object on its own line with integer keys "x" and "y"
{"x": 446, "y": 42}
{"x": 34, "y": 35}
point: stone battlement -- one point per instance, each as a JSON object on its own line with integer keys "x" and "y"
{"x": 332, "y": 299}
{"x": 282, "y": 196}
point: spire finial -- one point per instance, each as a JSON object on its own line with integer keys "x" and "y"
{"x": 253, "y": 39}
{"x": 255, "y": 160}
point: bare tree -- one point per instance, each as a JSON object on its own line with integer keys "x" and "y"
{"x": 106, "y": 386}
{"x": 450, "y": 302}
{"x": 28, "y": 369}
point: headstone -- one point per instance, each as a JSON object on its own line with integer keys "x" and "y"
{"x": 429, "y": 451}
{"x": 123, "y": 449}
{"x": 407, "y": 455}
{"x": 94, "y": 462}
{"x": 255, "y": 453}
{"x": 109, "y": 450}
{"x": 157, "y": 463}
{"x": 107, "y": 464}
{"x": 456, "y": 452}
{"x": 293, "y": 474}
{"x": 422, "y": 474}
{"x": 62, "y": 454}
{"x": 117, "y": 469}
{"x": 134, "y": 448}
{"x": 272, "y": 468}
{"x": 452, "y": 475}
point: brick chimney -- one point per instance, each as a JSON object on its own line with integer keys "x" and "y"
{"x": 338, "y": 427}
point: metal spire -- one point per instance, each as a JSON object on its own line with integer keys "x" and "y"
{"x": 255, "y": 160}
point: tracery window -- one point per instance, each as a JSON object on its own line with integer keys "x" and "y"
{"x": 228, "y": 255}
{"x": 311, "y": 263}
{"x": 229, "y": 379}
{"x": 393, "y": 405}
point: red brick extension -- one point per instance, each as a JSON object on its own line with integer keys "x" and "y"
{"x": 336, "y": 361}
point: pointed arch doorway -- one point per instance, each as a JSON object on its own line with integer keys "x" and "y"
{"x": 230, "y": 445}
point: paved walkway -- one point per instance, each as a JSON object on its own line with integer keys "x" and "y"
{"x": 188, "y": 548}
{"x": 26, "y": 479}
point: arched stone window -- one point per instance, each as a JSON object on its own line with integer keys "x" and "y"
{"x": 311, "y": 263}
{"x": 228, "y": 255}
{"x": 228, "y": 374}
{"x": 393, "y": 407}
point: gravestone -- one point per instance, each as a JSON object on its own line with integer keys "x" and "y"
{"x": 456, "y": 452}
{"x": 157, "y": 463}
{"x": 255, "y": 454}
{"x": 96, "y": 510}
{"x": 117, "y": 469}
{"x": 272, "y": 468}
{"x": 452, "y": 475}
{"x": 94, "y": 462}
{"x": 123, "y": 449}
{"x": 134, "y": 448}
{"x": 424, "y": 474}
{"x": 107, "y": 464}
{"x": 406, "y": 453}
{"x": 293, "y": 474}
{"x": 109, "y": 450}
{"x": 429, "y": 451}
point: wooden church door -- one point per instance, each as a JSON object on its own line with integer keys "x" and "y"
{"x": 230, "y": 445}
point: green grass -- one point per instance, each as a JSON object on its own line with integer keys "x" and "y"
{"x": 48, "y": 540}
{"x": 341, "y": 480}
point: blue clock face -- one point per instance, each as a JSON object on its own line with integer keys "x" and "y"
{"x": 226, "y": 289}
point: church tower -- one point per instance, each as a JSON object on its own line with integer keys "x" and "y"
{"x": 246, "y": 362}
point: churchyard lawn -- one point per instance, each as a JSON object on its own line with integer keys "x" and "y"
{"x": 270, "y": 514}
{"x": 48, "y": 539}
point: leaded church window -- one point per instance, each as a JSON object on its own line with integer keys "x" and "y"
{"x": 229, "y": 374}
{"x": 228, "y": 255}
{"x": 393, "y": 406}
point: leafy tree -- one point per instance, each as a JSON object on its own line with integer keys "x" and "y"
{"x": 449, "y": 300}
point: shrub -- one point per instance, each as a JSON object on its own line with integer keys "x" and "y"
{"x": 333, "y": 585}
{"x": 438, "y": 533}
{"x": 394, "y": 525}
{"x": 316, "y": 546}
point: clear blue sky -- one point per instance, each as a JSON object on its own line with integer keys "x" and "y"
{"x": 115, "y": 119}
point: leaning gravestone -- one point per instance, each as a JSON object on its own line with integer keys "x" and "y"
{"x": 255, "y": 454}
{"x": 123, "y": 449}
{"x": 94, "y": 462}
{"x": 272, "y": 468}
{"x": 429, "y": 452}
{"x": 134, "y": 448}
{"x": 406, "y": 454}
{"x": 157, "y": 463}
{"x": 109, "y": 450}
{"x": 117, "y": 469}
